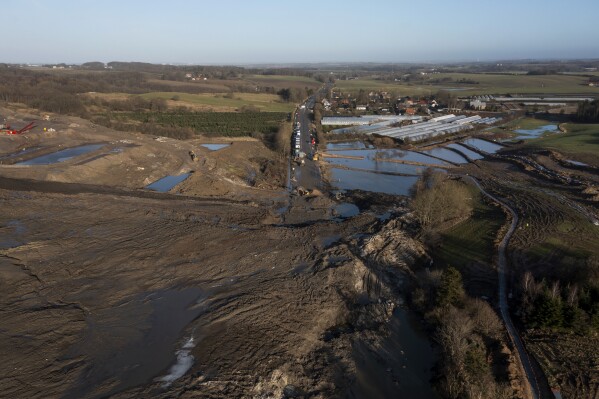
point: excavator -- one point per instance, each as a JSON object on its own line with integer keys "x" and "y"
{"x": 5, "y": 128}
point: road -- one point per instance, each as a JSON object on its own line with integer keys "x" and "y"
{"x": 503, "y": 304}
{"x": 308, "y": 174}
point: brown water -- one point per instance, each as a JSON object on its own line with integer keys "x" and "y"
{"x": 401, "y": 367}
{"x": 136, "y": 342}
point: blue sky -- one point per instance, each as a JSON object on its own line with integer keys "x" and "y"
{"x": 268, "y": 31}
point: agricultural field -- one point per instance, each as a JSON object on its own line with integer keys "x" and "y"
{"x": 486, "y": 83}
{"x": 283, "y": 81}
{"x": 223, "y": 102}
{"x": 581, "y": 142}
{"x": 228, "y": 124}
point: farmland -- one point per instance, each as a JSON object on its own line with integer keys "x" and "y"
{"x": 228, "y": 124}
{"x": 581, "y": 140}
{"x": 223, "y": 102}
{"x": 483, "y": 83}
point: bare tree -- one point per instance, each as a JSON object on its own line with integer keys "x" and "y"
{"x": 485, "y": 318}
{"x": 554, "y": 291}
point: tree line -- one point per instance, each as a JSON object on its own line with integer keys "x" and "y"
{"x": 588, "y": 111}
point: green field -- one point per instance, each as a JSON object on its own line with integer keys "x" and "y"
{"x": 581, "y": 142}
{"x": 487, "y": 84}
{"x": 472, "y": 241}
{"x": 231, "y": 124}
{"x": 223, "y": 101}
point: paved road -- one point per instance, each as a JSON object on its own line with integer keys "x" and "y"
{"x": 503, "y": 304}
{"x": 307, "y": 175}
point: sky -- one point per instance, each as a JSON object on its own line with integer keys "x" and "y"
{"x": 271, "y": 31}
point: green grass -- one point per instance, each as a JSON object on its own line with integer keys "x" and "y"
{"x": 527, "y": 124}
{"x": 265, "y": 102}
{"x": 473, "y": 239}
{"x": 572, "y": 242}
{"x": 580, "y": 141}
{"x": 487, "y": 84}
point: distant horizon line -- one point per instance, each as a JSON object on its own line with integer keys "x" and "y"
{"x": 279, "y": 63}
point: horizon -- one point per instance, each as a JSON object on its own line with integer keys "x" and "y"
{"x": 237, "y": 33}
{"x": 324, "y": 63}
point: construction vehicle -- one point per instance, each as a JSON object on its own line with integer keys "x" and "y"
{"x": 7, "y": 130}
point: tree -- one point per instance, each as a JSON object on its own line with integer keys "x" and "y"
{"x": 285, "y": 94}
{"x": 437, "y": 202}
{"x": 547, "y": 312}
{"x": 451, "y": 289}
{"x": 485, "y": 319}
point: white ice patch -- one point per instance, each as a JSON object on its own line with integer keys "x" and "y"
{"x": 184, "y": 362}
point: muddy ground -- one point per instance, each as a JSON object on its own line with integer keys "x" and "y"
{"x": 234, "y": 289}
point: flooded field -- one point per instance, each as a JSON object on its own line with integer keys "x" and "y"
{"x": 167, "y": 183}
{"x": 483, "y": 145}
{"x": 348, "y": 145}
{"x": 215, "y": 147}
{"x": 358, "y": 180}
{"x": 524, "y": 134}
{"x": 382, "y": 161}
{"x": 62, "y": 155}
{"x": 446, "y": 154}
{"x": 463, "y": 150}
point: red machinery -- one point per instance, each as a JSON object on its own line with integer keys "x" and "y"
{"x": 8, "y": 130}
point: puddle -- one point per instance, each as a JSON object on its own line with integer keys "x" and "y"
{"x": 576, "y": 163}
{"x": 130, "y": 344}
{"x": 399, "y": 367}
{"x": 346, "y": 210}
{"x": 167, "y": 183}
{"x": 469, "y": 153}
{"x": 446, "y": 154}
{"x": 215, "y": 147}
{"x": 384, "y": 217}
{"x": 62, "y": 155}
{"x": 348, "y": 145}
{"x": 22, "y": 152}
{"x": 330, "y": 240}
{"x": 358, "y": 180}
{"x": 10, "y": 234}
{"x": 483, "y": 145}
{"x": 299, "y": 269}
{"x": 524, "y": 134}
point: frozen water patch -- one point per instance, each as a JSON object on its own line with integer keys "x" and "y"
{"x": 184, "y": 362}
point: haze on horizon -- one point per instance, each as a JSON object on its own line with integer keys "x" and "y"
{"x": 270, "y": 31}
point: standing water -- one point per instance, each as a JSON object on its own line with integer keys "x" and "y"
{"x": 62, "y": 156}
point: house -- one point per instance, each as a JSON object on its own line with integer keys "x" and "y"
{"x": 477, "y": 104}
{"x": 410, "y": 111}
{"x": 326, "y": 104}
